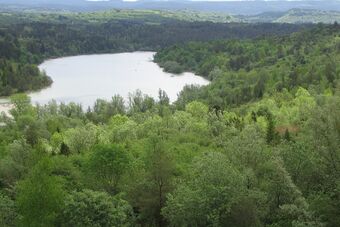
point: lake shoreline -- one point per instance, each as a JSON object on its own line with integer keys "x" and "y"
{"x": 77, "y": 78}
{"x": 138, "y": 63}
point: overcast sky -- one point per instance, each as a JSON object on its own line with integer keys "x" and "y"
{"x": 223, "y": 0}
{"x": 245, "y": 0}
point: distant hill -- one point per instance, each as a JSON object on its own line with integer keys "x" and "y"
{"x": 230, "y": 7}
{"x": 266, "y": 17}
{"x": 309, "y": 16}
{"x": 141, "y": 16}
{"x": 294, "y": 16}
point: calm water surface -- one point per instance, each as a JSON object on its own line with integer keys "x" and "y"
{"x": 83, "y": 79}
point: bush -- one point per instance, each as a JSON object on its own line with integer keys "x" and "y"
{"x": 172, "y": 67}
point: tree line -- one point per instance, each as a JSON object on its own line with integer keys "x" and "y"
{"x": 243, "y": 71}
{"x": 26, "y": 43}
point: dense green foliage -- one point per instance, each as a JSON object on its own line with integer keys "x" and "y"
{"x": 160, "y": 166}
{"x": 19, "y": 77}
{"x": 246, "y": 70}
{"x": 26, "y": 39}
{"x": 259, "y": 146}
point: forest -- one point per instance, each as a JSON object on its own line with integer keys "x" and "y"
{"x": 26, "y": 39}
{"x": 259, "y": 146}
{"x": 242, "y": 71}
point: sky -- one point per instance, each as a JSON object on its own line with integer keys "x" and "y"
{"x": 221, "y": 0}
{"x": 239, "y": 0}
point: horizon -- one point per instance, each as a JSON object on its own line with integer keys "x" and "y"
{"x": 232, "y": 7}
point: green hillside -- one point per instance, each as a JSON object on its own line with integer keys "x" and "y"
{"x": 145, "y": 16}
{"x": 242, "y": 71}
{"x": 160, "y": 16}
{"x": 294, "y": 16}
{"x": 309, "y": 16}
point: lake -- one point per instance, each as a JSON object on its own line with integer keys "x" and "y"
{"x": 83, "y": 79}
